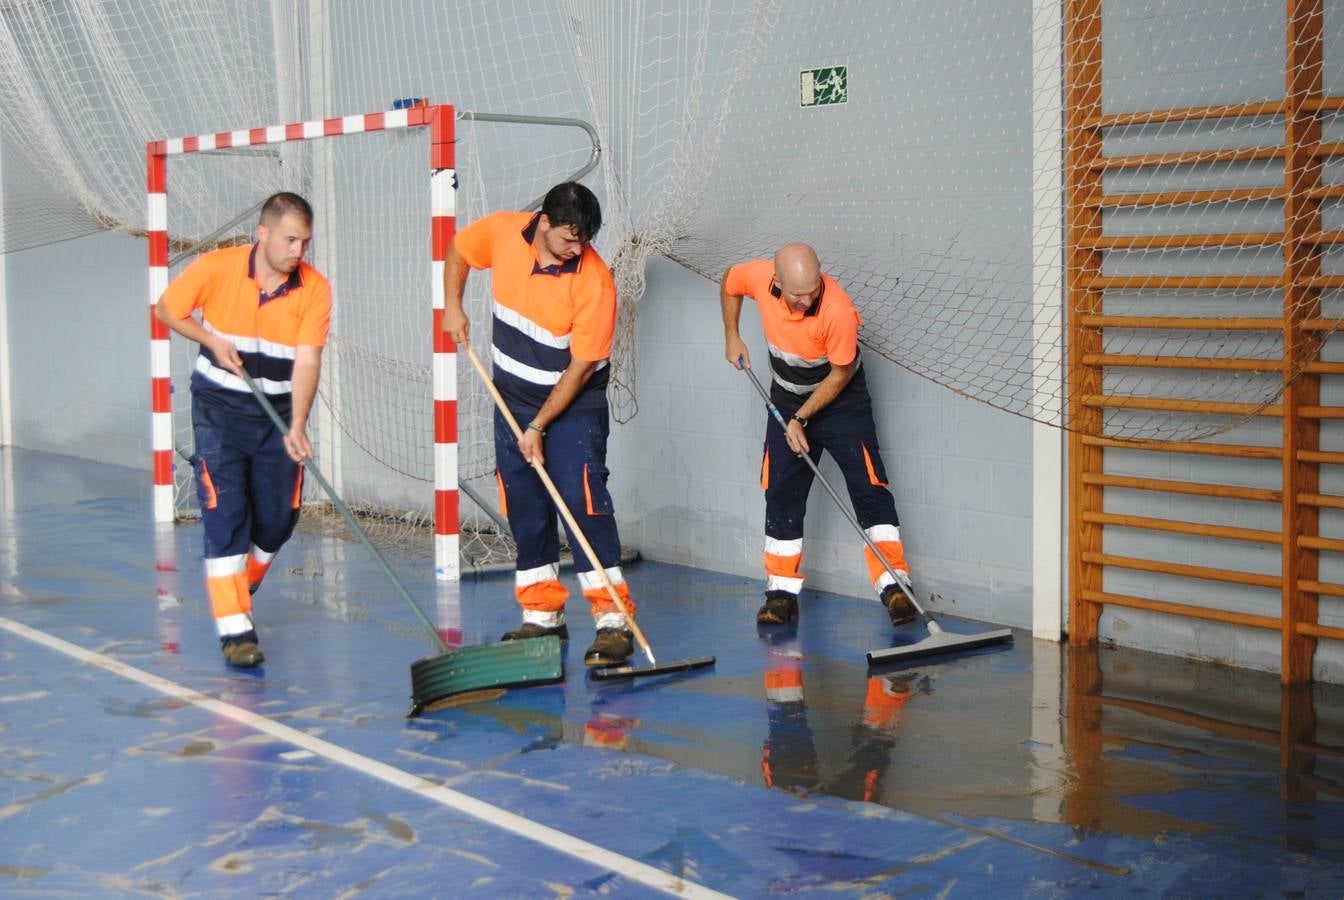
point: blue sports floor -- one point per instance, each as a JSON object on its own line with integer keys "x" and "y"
{"x": 133, "y": 762}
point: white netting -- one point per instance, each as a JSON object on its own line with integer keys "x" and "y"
{"x": 721, "y": 139}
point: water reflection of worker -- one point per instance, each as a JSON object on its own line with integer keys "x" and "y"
{"x": 789, "y": 758}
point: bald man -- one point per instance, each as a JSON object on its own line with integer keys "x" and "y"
{"x": 812, "y": 331}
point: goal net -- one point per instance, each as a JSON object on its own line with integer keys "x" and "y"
{"x": 374, "y": 427}
{"x": 910, "y": 142}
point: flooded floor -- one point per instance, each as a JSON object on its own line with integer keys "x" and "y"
{"x": 133, "y": 761}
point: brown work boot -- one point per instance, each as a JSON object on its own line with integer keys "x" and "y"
{"x": 533, "y": 630}
{"x": 612, "y": 646}
{"x": 899, "y": 607}
{"x": 241, "y": 650}
{"x": 780, "y": 608}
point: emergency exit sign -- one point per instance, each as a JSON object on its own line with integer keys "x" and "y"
{"x": 826, "y": 86}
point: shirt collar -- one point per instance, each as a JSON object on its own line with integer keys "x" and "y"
{"x": 530, "y": 234}
{"x": 293, "y": 282}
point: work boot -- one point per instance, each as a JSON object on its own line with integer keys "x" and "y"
{"x": 780, "y": 608}
{"x": 612, "y": 646}
{"x": 533, "y": 630}
{"x": 899, "y": 607}
{"x": 241, "y": 650}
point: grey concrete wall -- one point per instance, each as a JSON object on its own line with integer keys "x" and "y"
{"x": 687, "y": 468}
{"x": 79, "y": 348}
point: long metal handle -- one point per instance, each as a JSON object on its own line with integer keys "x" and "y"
{"x": 560, "y": 504}
{"x": 349, "y": 519}
{"x": 807, "y": 458}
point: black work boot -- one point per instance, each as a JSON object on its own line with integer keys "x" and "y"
{"x": 899, "y": 607}
{"x": 612, "y": 646}
{"x": 241, "y": 650}
{"x": 780, "y": 608}
{"x": 533, "y": 630}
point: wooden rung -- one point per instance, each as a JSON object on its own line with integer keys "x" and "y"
{"x": 1195, "y": 488}
{"x": 1201, "y": 529}
{"x": 1269, "y": 623}
{"x": 1188, "y": 114}
{"x": 1320, "y": 631}
{"x": 1182, "y": 362}
{"x": 1324, "y": 368}
{"x": 1182, "y": 198}
{"x": 1327, "y": 149}
{"x": 1241, "y": 451}
{"x": 1320, "y": 456}
{"x": 1173, "y": 323}
{"x": 1177, "y": 241}
{"x": 1192, "y": 158}
{"x": 1324, "y": 237}
{"x": 1165, "y": 404}
{"x": 1322, "y": 281}
{"x": 1323, "y": 104}
{"x": 1313, "y": 542}
{"x": 1326, "y": 192}
{"x": 1187, "y": 282}
{"x": 1321, "y": 412}
{"x": 1326, "y": 501}
{"x": 1322, "y": 588}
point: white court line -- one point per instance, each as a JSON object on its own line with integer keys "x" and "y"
{"x": 491, "y": 815}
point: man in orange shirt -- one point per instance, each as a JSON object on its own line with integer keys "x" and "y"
{"x": 554, "y": 317}
{"x": 812, "y": 330}
{"x": 264, "y": 311}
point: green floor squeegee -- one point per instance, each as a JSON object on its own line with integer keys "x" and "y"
{"x": 450, "y": 672}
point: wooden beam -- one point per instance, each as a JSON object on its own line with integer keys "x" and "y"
{"x": 1188, "y": 282}
{"x": 1198, "y": 529}
{"x": 1191, "y": 114}
{"x": 1203, "y": 448}
{"x": 1301, "y": 303}
{"x": 1185, "y": 610}
{"x": 1204, "y": 573}
{"x": 1188, "y": 158}
{"x": 1182, "y": 241}
{"x": 1083, "y": 192}
{"x": 1201, "y": 363}
{"x": 1194, "y": 488}
{"x": 1168, "y": 404}
{"x": 1183, "y": 198}
{"x": 1177, "y": 323}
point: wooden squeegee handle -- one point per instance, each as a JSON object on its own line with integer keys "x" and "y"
{"x": 560, "y": 504}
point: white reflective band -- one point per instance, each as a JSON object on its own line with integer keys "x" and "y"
{"x": 780, "y": 583}
{"x": 544, "y": 619}
{"x": 776, "y": 547}
{"x": 611, "y": 620}
{"x": 524, "y": 371}
{"x": 253, "y": 344}
{"x": 225, "y": 378}
{"x": 885, "y": 579}
{"x": 590, "y": 580}
{"x": 801, "y": 362}
{"x": 784, "y": 694}
{"x": 261, "y": 555}
{"x": 801, "y": 390}
{"x": 225, "y": 565}
{"x": 530, "y": 328}
{"x": 880, "y": 533}
{"x": 238, "y": 623}
{"x": 526, "y": 577}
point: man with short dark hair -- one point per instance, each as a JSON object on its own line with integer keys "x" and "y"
{"x": 554, "y": 317}
{"x": 817, "y": 381}
{"x": 264, "y": 311}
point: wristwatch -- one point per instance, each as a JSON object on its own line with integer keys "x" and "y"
{"x": 801, "y": 421}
